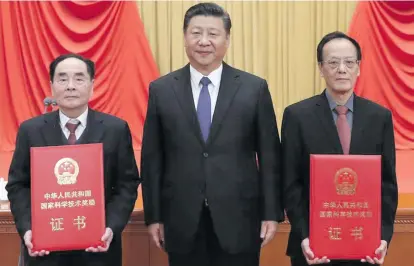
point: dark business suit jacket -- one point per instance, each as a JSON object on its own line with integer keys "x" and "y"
{"x": 121, "y": 177}
{"x": 308, "y": 128}
{"x": 179, "y": 170}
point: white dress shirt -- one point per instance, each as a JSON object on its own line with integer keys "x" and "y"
{"x": 83, "y": 118}
{"x": 213, "y": 87}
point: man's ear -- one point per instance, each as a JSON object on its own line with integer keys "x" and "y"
{"x": 320, "y": 69}
{"x": 51, "y": 88}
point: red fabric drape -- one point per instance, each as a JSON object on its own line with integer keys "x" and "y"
{"x": 32, "y": 34}
{"x": 385, "y": 31}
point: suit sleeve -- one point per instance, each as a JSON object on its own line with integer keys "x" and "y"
{"x": 269, "y": 158}
{"x": 292, "y": 185}
{"x": 18, "y": 185}
{"x": 152, "y": 162}
{"x": 125, "y": 191}
{"x": 389, "y": 181}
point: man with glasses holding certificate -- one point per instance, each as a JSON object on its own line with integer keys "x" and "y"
{"x": 333, "y": 123}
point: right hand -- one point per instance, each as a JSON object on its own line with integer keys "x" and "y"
{"x": 156, "y": 231}
{"x": 309, "y": 256}
{"x": 28, "y": 242}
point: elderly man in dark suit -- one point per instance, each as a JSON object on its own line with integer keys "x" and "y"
{"x": 72, "y": 78}
{"x": 207, "y": 200}
{"x": 335, "y": 122}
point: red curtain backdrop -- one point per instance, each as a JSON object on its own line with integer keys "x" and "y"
{"x": 385, "y": 31}
{"x": 32, "y": 34}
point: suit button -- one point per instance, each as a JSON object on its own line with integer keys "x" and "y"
{"x": 205, "y": 155}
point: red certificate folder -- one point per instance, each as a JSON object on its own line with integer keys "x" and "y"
{"x": 345, "y": 206}
{"x": 67, "y": 197}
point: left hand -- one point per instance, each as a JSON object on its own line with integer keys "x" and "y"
{"x": 106, "y": 238}
{"x": 268, "y": 231}
{"x": 381, "y": 251}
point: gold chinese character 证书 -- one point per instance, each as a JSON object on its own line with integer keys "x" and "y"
{"x": 57, "y": 224}
{"x": 335, "y": 233}
{"x": 80, "y": 222}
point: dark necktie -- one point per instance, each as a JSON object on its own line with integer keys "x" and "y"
{"x": 72, "y": 128}
{"x": 344, "y": 130}
{"x": 204, "y": 108}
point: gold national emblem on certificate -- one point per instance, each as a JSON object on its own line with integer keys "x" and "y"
{"x": 346, "y": 181}
{"x": 66, "y": 171}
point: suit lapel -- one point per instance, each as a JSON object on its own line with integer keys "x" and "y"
{"x": 53, "y": 135}
{"x": 94, "y": 130}
{"x": 229, "y": 85}
{"x": 184, "y": 94}
{"x": 51, "y": 130}
{"x": 328, "y": 124}
{"x": 358, "y": 119}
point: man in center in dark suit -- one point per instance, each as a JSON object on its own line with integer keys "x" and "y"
{"x": 72, "y": 79}
{"x": 335, "y": 122}
{"x": 207, "y": 200}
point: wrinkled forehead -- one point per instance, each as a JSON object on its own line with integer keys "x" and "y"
{"x": 206, "y": 22}
{"x": 339, "y": 48}
{"x": 71, "y": 67}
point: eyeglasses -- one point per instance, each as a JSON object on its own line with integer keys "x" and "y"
{"x": 335, "y": 63}
{"x": 77, "y": 81}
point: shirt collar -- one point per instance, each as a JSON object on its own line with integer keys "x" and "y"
{"x": 214, "y": 76}
{"x": 332, "y": 103}
{"x": 82, "y": 118}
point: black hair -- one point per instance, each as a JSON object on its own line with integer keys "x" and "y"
{"x": 207, "y": 9}
{"x": 336, "y": 35}
{"x": 90, "y": 65}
